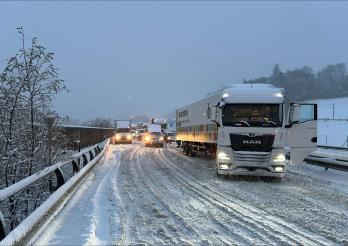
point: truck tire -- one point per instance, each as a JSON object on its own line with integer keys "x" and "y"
{"x": 191, "y": 151}
{"x": 187, "y": 149}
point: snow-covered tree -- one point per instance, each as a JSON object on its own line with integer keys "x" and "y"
{"x": 28, "y": 84}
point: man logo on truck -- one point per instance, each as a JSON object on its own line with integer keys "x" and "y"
{"x": 246, "y": 141}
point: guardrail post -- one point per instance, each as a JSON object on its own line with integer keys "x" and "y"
{"x": 60, "y": 177}
{"x": 76, "y": 166}
{"x": 85, "y": 161}
{"x": 96, "y": 150}
{"x": 60, "y": 180}
{"x": 2, "y": 227}
{"x": 91, "y": 157}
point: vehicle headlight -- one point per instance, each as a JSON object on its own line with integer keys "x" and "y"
{"x": 161, "y": 138}
{"x": 279, "y": 158}
{"x": 129, "y": 136}
{"x": 223, "y": 156}
{"x": 169, "y": 138}
{"x": 118, "y": 137}
{"x": 224, "y": 166}
{"x": 279, "y": 169}
{"x": 147, "y": 138}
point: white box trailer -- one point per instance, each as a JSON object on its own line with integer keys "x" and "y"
{"x": 246, "y": 129}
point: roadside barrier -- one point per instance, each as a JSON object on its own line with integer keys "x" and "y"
{"x": 37, "y": 194}
{"x": 327, "y": 162}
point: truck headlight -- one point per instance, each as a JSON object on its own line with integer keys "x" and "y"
{"x": 129, "y": 136}
{"x": 147, "y": 138}
{"x": 169, "y": 138}
{"x": 224, "y": 166}
{"x": 223, "y": 156}
{"x": 161, "y": 139}
{"x": 118, "y": 137}
{"x": 279, "y": 158}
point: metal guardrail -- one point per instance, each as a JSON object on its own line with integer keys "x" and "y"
{"x": 46, "y": 181}
{"x": 327, "y": 162}
{"x": 332, "y": 147}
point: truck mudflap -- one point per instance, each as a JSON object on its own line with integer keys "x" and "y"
{"x": 241, "y": 171}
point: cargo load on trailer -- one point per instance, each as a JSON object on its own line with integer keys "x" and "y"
{"x": 245, "y": 128}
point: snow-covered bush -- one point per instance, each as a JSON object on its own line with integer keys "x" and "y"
{"x": 28, "y": 83}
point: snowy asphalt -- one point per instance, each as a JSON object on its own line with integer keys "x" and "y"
{"x": 139, "y": 195}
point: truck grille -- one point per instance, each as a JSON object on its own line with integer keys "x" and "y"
{"x": 252, "y": 158}
{"x": 249, "y": 142}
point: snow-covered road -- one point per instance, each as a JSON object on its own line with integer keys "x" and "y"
{"x": 159, "y": 196}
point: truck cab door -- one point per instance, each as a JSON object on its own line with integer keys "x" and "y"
{"x": 301, "y": 134}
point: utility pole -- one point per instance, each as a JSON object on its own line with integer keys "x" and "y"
{"x": 50, "y": 122}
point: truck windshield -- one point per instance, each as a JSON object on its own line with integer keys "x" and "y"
{"x": 253, "y": 115}
{"x": 122, "y": 130}
{"x": 155, "y": 133}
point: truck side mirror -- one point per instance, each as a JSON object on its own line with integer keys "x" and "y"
{"x": 212, "y": 114}
{"x": 294, "y": 113}
{"x": 299, "y": 113}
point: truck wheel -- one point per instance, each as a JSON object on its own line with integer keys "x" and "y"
{"x": 187, "y": 149}
{"x": 191, "y": 152}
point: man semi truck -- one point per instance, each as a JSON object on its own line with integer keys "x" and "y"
{"x": 248, "y": 130}
{"x": 122, "y": 132}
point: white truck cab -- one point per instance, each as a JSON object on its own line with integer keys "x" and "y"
{"x": 122, "y": 132}
{"x": 253, "y": 132}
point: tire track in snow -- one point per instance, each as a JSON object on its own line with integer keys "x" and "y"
{"x": 307, "y": 203}
{"x": 218, "y": 230}
{"x": 283, "y": 230}
{"x": 246, "y": 230}
{"x": 155, "y": 184}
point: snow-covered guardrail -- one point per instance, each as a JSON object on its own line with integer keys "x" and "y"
{"x": 47, "y": 186}
{"x": 327, "y": 162}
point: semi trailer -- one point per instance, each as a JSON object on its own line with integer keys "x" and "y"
{"x": 248, "y": 130}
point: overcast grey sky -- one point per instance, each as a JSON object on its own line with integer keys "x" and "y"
{"x": 121, "y": 59}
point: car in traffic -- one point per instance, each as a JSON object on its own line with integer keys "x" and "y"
{"x": 169, "y": 137}
{"x": 153, "y": 139}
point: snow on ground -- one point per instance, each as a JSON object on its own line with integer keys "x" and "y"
{"x": 333, "y": 122}
{"x": 159, "y": 196}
